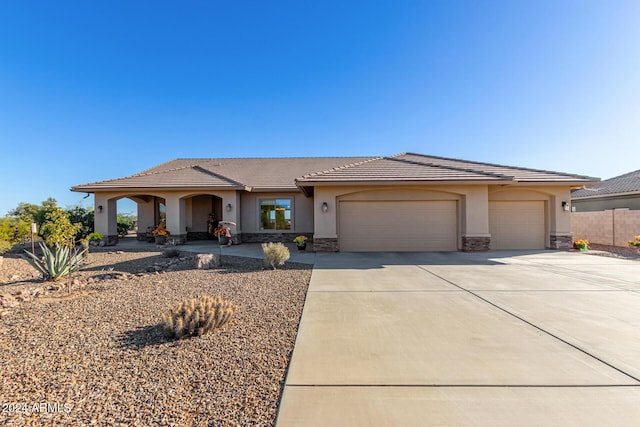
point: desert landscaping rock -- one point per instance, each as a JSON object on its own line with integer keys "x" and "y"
{"x": 207, "y": 261}
{"x": 99, "y": 355}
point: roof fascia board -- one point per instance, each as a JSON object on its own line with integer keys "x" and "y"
{"x": 275, "y": 190}
{"x": 149, "y": 189}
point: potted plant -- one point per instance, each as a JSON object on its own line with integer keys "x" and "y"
{"x": 95, "y": 238}
{"x": 223, "y": 234}
{"x": 160, "y": 234}
{"x": 301, "y": 242}
{"x": 582, "y": 245}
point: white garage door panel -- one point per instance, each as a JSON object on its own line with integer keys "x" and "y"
{"x": 517, "y": 225}
{"x": 398, "y": 226}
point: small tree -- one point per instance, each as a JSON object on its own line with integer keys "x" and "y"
{"x": 58, "y": 229}
{"x": 28, "y": 212}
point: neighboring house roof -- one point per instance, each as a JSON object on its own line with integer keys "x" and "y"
{"x": 623, "y": 184}
{"x": 277, "y": 174}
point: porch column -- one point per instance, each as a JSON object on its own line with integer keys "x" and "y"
{"x": 106, "y": 218}
{"x": 475, "y": 224}
{"x": 146, "y": 216}
{"x": 325, "y": 234}
{"x": 176, "y": 219}
{"x": 560, "y": 236}
{"x": 231, "y": 212}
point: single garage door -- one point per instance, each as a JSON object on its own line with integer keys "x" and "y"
{"x": 517, "y": 225}
{"x": 378, "y": 226}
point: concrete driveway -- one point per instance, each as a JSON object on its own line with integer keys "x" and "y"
{"x": 501, "y": 338}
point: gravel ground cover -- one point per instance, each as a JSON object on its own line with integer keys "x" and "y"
{"x": 614, "y": 251}
{"x": 100, "y": 357}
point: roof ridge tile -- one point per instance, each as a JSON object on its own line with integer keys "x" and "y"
{"x": 350, "y": 165}
{"x": 502, "y": 166}
{"x": 217, "y": 175}
{"x": 435, "y": 165}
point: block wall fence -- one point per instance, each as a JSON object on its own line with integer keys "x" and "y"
{"x": 611, "y": 227}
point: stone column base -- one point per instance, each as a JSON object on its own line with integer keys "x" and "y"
{"x": 561, "y": 242}
{"x": 272, "y": 237}
{"x": 177, "y": 239}
{"x": 325, "y": 245}
{"x": 475, "y": 244}
{"x": 111, "y": 240}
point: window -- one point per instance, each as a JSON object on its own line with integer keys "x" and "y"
{"x": 275, "y": 214}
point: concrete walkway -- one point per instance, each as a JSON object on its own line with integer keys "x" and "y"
{"x": 248, "y": 250}
{"x": 497, "y": 339}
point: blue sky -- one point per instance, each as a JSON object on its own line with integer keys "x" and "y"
{"x": 98, "y": 90}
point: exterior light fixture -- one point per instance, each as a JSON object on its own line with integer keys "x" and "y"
{"x": 565, "y": 206}
{"x": 99, "y": 208}
{"x": 229, "y": 207}
{"x": 325, "y": 207}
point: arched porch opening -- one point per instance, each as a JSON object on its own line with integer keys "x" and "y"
{"x": 198, "y": 207}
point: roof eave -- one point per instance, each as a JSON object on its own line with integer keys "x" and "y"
{"x": 571, "y": 183}
{"x": 95, "y": 189}
{"x": 603, "y": 195}
{"x": 274, "y": 189}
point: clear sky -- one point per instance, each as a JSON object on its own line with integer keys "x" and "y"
{"x": 98, "y": 90}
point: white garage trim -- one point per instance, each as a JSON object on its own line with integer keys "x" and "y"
{"x": 517, "y": 224}
{"x": 398, "y": 225}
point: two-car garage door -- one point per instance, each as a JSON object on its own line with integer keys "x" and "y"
{"x": 398, "y": 225}
{"x": 403, "y": 225}
{"x": 517, "y": 224}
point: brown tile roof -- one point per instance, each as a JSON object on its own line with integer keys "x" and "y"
{"x": 417, "y": 167}
{"x": 273, "y": 174}
{"x": 627, "y": 183}
{"x": 223, "y": 173}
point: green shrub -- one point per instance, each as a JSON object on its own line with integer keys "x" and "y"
{"x": 275, "y": 254}
{"x": 83, "y": 216}
{"x": 14, "y": 230}
{"x": 123, "y": 229}
{"x": 197, "y": 316}
{"x": 55, "y": 265}
{"x": 95, "y": 237}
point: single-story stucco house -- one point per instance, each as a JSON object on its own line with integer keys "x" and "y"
{"x": 405, "y": 202}
{"x": 620, "y": 192}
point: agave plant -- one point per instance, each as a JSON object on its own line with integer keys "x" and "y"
{"x": 55, "y": 265}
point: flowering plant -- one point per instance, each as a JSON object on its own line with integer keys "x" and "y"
{"x": 581, "y": 244}
{"x": 221, "y": 232}
{"x": 300, "y": 239}
{"x": 635, "y": 243}
{"x": 160, "y": 231}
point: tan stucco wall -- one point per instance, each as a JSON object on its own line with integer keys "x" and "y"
{"x": 186, "y": 211}
{"x": 473, "y": 203}
{"x": 631, "y": 202}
